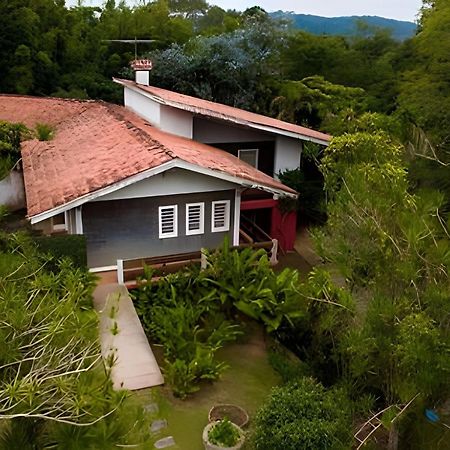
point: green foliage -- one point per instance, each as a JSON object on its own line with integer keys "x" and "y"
{"x": 54, "y": 390}
{"x": 11, "y": 134}
{"x": 392, "y": 250}
{"x": 308, "y": 182}
{"x": 44, "y": 132}
{"x": 349, "y": 152}
{"x": 182, "y": 313}
{"x": 304, "y": 415}
{"x": 192, "y": 313}
{"x": 71, "y": 246}
{"x": 312, "y": 99}
{"x": 224, "y": 434}
{"x": 244, "y": 280}
{"x": 4, "y": 213}
{"x": 425, "y": 98}
{"x": 287, "y": 365}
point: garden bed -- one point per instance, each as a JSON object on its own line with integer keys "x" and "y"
{"x": 246, "y": 383}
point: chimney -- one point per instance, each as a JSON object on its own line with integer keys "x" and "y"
{"x": 142, "y": 69}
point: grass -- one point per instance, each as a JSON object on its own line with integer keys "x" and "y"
{"x": 246, "y": 383}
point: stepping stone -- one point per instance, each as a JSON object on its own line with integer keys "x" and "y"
{"x": 166, "y": 442}
{"x": 158, "y": 425}
{"x": 151, "y": 408}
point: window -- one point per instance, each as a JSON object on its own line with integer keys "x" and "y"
{"x": 250, "y": 156}
{"x": 195, "y": 218}
{"x": 59, "y": 222}
{"x": 220, "y": 217}
{"x": 168, "y": 221}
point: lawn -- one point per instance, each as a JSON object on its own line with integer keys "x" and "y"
{"x": 246, "y": 383}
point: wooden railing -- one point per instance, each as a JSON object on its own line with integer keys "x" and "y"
{"x": 128, "y": 270}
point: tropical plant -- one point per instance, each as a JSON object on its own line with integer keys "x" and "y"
{"x": 189, "y": 326}
{"x": 245, "y": 281}
{"x": 55, "y": 391}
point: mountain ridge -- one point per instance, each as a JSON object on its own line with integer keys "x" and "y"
{"x": 348, "y": 25}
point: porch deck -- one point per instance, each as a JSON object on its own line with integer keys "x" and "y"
{"x": 121, "y": 332}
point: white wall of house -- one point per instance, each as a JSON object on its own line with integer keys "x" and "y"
{"x": 209, "y": 132}
{"x": 143, "y": 106}
{"x": 176, "y": 121}
{"x": 287, "y": 154}
{"x": 12, "y": 191}
{"x": 172, "y": 182}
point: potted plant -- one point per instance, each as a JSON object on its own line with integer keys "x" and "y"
{"x": 223, "y": 435}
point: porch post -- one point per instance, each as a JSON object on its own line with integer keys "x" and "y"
{"x": 120, "y": 278}
{"x": 237, "y": 217}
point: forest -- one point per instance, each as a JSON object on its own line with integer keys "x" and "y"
{"x": 371, "y": 327}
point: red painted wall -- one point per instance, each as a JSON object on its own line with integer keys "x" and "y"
{"x": 284, "y": 228}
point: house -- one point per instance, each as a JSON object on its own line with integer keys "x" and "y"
{"x": 164, "y": 174}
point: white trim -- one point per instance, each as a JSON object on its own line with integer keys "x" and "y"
{"x": 120, "y": 278}
{"x": 245, "y": 150}
{"x": 237, "y": 217}
{"x": 78, "y": 221}
{"x": 225, "y": 118}
{"x": 103, "y": 191}
{"x": 174, "y": 233}
{"x": 102, "y": 269}
{"x": 201, "y": 229}
{"x": 179, "y": 163}
{"x": 226, "y": 226}
{"x": 232, "y": 179}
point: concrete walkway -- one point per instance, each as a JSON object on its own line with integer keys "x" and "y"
{"x": 121, "y": 332}
{"x": 305, "y": 248}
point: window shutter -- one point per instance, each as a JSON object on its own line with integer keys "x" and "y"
{"x": 195, "y": 217}
{"x": 168, "y": 221}
{"x": 220, "y": 216}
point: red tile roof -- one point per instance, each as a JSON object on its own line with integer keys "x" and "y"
{"x": 225, "y": 112}
{"x": 97, "y": 144}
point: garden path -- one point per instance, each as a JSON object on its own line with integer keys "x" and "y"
{"x": 122, "y": 332}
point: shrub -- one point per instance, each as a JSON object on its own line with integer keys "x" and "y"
{"x": 304, "y": 415}
{"x": 224, "y": 434}
{"x": 71, "y": 246}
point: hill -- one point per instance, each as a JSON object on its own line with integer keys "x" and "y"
{"x": 348, "y": 26}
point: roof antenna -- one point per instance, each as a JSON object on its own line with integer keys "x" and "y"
{"x": 134, "y": 41}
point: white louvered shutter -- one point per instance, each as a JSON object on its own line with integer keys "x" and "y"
{"x": 168, "y": 221}
{"x": 220, "y": 216}
{"x": 195, "y": 218}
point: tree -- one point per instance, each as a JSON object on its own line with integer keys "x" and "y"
{"x": 392, "y": 248}
{"x": 425, "y": 97}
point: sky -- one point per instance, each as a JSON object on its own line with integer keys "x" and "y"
{"x": 393, "y": 9}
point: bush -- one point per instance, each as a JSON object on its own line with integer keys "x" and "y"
{"x": 304, "y": 415}
{"x": 71, "y": 246}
